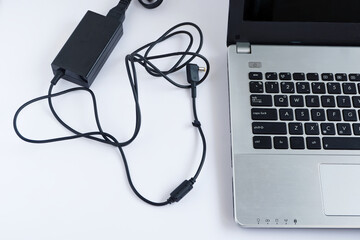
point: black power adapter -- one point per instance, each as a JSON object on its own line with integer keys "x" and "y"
{"x": 83, "y": 56}
{"x": 90, "y": 45}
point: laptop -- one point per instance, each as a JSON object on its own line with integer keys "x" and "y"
{"x": 294, "y": 87}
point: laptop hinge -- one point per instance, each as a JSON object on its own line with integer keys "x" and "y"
{"x": 243, "y": 48}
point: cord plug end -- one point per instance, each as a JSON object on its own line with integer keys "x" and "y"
{"x": 181, "y": 191}
{"x": 118, "y": 12}
{"x": 192, "y": 73}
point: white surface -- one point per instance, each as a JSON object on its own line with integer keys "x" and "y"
{"x": 340, "y": 195}
{"x": 78, "y": 190}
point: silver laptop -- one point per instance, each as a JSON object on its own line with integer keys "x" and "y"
{"x": 294, "y": 84}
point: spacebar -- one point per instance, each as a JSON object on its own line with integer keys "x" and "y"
{"x": 341, "y": 143}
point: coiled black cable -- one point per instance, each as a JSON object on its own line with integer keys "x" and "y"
{"x": 145, "y": 60}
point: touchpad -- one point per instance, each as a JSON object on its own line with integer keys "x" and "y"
{"x": 340, "y": 189}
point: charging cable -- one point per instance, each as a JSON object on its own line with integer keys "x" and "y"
{"x": 141, "y": 57}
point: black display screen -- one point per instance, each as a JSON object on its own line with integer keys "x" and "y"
{"x": 345, "y": 11}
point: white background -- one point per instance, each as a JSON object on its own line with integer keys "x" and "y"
{"x": 78, "y": 189}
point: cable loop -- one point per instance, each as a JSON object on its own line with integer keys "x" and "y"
{"x": 151, "y": 5}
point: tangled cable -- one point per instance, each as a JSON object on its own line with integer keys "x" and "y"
{"x": 145, "y": 60}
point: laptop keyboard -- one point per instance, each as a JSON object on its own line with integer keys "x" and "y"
{"x": 305, "y": 110}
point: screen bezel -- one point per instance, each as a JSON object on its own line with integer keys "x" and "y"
{"x": 290, "y": 33}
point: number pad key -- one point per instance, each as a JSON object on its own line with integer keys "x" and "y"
{"x": 318, "y": 88}
{"x": 287, "y": 87}
{"x": 303, "y": 87}
{"x": 349, "y": 88}
{"x": 272, "y": 87}
{"x": 334, "y": 88}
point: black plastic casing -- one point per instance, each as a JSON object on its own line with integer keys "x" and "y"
{"x": 88, "y": 48}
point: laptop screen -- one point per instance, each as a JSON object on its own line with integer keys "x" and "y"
{"x": 304, "y": 22}
{"x": 302, "y": 10}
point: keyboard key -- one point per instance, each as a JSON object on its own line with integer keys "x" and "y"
{"x": 354, "y": 77}
{"x": 343, "y": 128}
{"x": 328, "y": 101}
{"x": 281, "y": 143}
{"x": 256, "y": 87}
{"x": 264, "y": 114}
{"x": 299, "y": 76}
{"x": 349, "y": 88}
{"x": 318, "y": 88}
{"x": 271, "y": 76}
{"x": 312, "y": 101}
{"x": 303, "y": 87}
{"x": 285, "y": 76}
{"x": 328, "y": 129}
{"x": 286, "y": 114}
{"x": 327, "y": 77}
{"x": 261, "y": 100}
{"x": 297, "y": 143}
{"x": 356, "y": 102}
{"x": 302, "y": 114}
{"x": 287, "y": 87}
{"x": 312, "y": 76}
{"x": 272, "y": 87}
{"x": 318, "y": 114}
{"x": 333, "y": 114}
{"x": 312, "y": 129}
{"x": 281, "y": 101}
{"x": 341, "y": 143}
{"x": 296, "y": 101}
{"x": 349, "y": 115}
{"x": 275, "y": 128}
{"x": 255, "y": 76}
{"x": 356, "y": 129}
{"x": 341, "y": 77}
{"x": 343, "y": 101}
{"x": 296, "y": 129}
{"x": 334, "y": 88}
{"x": 262, "y": 142}
{"x": 313, "y": 143}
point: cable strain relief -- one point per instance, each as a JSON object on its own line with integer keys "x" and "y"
{"x": 58, "y": 75}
